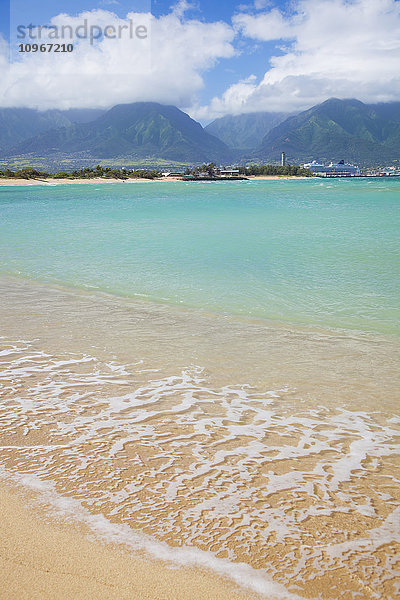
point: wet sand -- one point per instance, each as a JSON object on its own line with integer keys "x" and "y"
{"x": 161, "y": 420}
{"x": 44, "y": 559}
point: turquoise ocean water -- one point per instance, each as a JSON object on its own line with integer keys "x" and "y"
{"x": 306, "y": 252}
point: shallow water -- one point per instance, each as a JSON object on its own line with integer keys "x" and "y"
{"x": 305, "y": 252}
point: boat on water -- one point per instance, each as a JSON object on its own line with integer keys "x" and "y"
{"x": 340, "y": 169}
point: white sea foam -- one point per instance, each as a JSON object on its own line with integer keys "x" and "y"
{"x": 242, "y": 574}
{"x": 229, "y": 469}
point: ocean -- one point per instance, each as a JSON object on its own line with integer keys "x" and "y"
{"x": 209, "y": 372}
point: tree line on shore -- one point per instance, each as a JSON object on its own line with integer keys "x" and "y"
{"x": 210, "y": 169}
{"x": 86, "y": 173}
{"x": 288, "y": 170}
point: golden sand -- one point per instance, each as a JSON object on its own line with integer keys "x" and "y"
{"x": 6, "y": 182}
{"x": 293, "y": 472}
{"x": 12, "y": 182}
{"x": 42, "y": 559}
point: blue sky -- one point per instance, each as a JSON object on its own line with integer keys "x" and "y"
{"x": 213, "y": 57}
{"x": 42, "y": 11}
{"x": 209, "y": 10}
{"x": 252, "y": 57}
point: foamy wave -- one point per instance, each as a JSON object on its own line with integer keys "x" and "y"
{"x": 258, "y": 479}
{"x": 105, "y": 530}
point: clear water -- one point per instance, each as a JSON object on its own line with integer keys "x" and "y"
{"x": 297, "y": 251}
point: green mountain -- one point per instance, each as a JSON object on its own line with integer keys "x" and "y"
{"x": 245, "y": 132}
{"x": 82, "y": 115}
{"x": 336, "y": 129}
{"x": 365, "y": 134}
{"x": 19, "y": 124}
{"x": 139, "y": 130}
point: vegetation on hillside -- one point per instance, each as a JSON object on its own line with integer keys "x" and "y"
{"x": 139, "y": 130}
{"x": 154, "y": 136}
{"x": 245, "y": 132}
{"x": 334, "y": 130}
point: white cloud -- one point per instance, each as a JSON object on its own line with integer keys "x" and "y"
{"x": 182, "y": 6}
{"x": 342, "y": 48}
{"x": 267, "y": 26}
{"x": 260, "y": 4}
{"x": 166, "y": 67}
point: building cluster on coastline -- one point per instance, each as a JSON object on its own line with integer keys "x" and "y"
{"x": 222, "y": 174}
{"x": 341, "y": 169}
{"x": 317, "y": 169}
{"x": 382, "y": 172}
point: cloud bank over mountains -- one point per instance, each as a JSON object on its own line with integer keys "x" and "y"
{"x": 330, "y": 48}
{"x": 166, "y": 66}
{"x": 324, "y": 48}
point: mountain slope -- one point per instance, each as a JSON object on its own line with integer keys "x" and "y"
{"x": 136, "y": 130}
{"x": 337, "y": 129}
{"x": 244, "y": 132}
{"x": 19, "y": 124}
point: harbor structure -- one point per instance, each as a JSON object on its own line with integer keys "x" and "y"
{"x": 229, "y": 173}
{"x": 172, "y": 174}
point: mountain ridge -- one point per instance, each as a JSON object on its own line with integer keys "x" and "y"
{"x": 245, "y": 131}
{"x": 366, "y": 134}
{"x": 140, "y": 129}
{"x": 350, "y": 129}
{"x": 19, "y": 124}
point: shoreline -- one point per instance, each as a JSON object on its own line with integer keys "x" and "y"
{"x": 28, "y": 182}
{"x": 280, "y": 344}
{"x": 45, "y": 557}
{"x": 141, "y": 302}
{"x": 109, "y": 384}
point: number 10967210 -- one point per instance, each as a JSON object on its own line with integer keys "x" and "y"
{"x": 46, "y": 47}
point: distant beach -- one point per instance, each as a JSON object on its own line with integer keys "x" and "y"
{"x": 8, "y": 182}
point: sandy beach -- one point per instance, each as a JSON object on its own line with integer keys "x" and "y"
{"x": 8, "y": 182}
{"x": 43, "y": 558}
{"x": 116, "y": 437}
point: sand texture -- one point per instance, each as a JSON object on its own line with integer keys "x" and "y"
{"x": 44, "y": 560}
